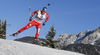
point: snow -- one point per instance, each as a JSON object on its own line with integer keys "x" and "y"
{"x": 9, "y": 47}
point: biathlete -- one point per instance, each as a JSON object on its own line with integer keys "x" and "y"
{"x": 40, "y": 16}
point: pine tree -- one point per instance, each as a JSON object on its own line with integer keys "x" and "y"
{"x": 2, "y": 29}
{"x": 0, "y": 26}
{"x": 49, "y": 37}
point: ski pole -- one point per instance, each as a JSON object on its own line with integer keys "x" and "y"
{"x": 29, "y": 11}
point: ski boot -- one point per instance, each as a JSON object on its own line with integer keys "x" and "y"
{"x": 15, "y": 34}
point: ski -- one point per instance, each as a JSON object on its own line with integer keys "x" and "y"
{"x": 35, "y": 42}
{"x": 9, "y": 35}
{"x": 48, "y": 5}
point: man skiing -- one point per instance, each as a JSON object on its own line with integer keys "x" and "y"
{"x": 40, "y": 16}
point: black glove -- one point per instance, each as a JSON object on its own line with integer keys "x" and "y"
{"x": 30, "y": 19}
{"x": 44, "y": 23}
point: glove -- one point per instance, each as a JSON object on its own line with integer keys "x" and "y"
{"x": 30, "y": 19}
{"x": 44, "y": 23}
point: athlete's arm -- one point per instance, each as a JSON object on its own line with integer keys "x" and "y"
{"x": 35, "y": 12}
{"x": 47, "y": 17}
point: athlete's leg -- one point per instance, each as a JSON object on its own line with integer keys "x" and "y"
{"x": 26, "y": 27}
{"x": 37, "y": 32}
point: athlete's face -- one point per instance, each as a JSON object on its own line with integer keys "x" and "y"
{"x": 43, "y": 12}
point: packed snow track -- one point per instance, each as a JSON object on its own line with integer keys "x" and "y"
{"x": 9, "y": 47}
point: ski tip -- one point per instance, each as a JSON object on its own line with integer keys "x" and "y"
{"x": 3, "y": 35}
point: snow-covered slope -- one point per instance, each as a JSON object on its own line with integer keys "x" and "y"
{"x": 8, "y": 47}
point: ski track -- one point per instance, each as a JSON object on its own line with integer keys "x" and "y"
{"x": 8, "y": 47}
